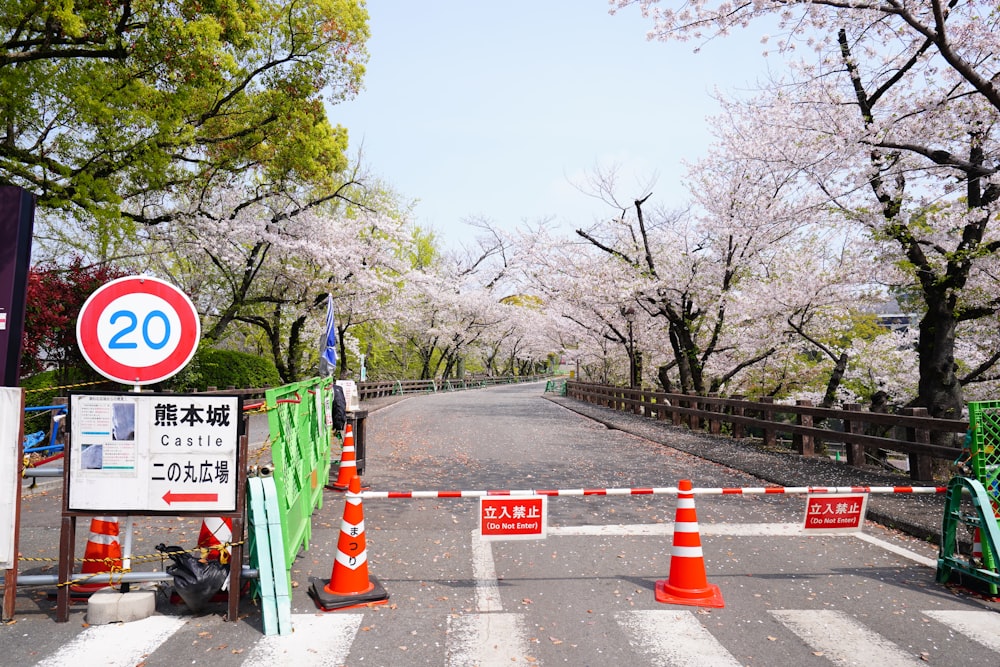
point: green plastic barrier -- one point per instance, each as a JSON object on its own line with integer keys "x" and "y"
{"x": 982, "y": 518}
{"x": 300, "y": 449}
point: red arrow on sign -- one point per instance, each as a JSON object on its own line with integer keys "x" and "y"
{"x": 170, "y": 497}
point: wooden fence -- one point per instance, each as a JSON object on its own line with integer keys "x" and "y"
{"x": 922, "y": 438}
{"x": 367, "y": 390}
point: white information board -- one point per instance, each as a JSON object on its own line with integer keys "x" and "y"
{"x": 351, "y": 396}
{"x": 153, "y": 452}
{"x": 10, "y": 468}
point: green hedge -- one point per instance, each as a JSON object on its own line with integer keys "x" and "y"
{"x": 226, "y": 368}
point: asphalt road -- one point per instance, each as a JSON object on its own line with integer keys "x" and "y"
{"x": 582, "y": 596}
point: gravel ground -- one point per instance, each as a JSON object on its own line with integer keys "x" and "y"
{"x": 917, "y": 515}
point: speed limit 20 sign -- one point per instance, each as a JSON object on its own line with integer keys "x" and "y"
{"x": 138, "y": 330}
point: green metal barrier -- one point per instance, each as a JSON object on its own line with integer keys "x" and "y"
{"x": 300, "y": 449}
{"x": 981, "y": 518}
{"x": 984, "y": 446}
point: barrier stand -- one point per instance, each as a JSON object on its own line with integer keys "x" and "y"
{"x": 267, "y": 554}
{"x": 950, "y": 559}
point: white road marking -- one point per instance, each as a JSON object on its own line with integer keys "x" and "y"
{"x": 729, "y": 530}
{"x": 124, "y": 644}
{"x": 660, "y": 529}
{"x": 843, "y": 640}
{"x": 484, "y": 571}
{"x": 316, "y": 640}
{"x": 674, "y": 639}
{"x": 980, "y": 626}
{"x": 487, "y": 640}
{"x": 899, "y": 551}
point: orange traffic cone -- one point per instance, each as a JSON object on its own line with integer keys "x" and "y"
{"x": 687, "y": 583}
{"x": 215, "y": 536}
{"x": 103, "y": 553}
{"x": 348, "y": 463}
{"x": 349, "y": 585}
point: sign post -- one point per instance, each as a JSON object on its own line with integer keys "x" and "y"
{"x": 143, "y": 453}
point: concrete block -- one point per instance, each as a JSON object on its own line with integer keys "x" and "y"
{"x": 110, "y": 606}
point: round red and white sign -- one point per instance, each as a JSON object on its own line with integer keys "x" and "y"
{"x": 138, "y": 330}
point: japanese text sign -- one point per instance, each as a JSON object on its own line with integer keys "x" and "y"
{"x": 835, "y": 512}
{"x": 153, "y": 452}
{"x": 513, "y": 518}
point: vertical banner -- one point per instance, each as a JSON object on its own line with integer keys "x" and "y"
{"x": 11, "y": 409}
{"x": 17, "y": 216}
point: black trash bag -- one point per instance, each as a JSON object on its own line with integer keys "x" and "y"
{"x": 339, "y": 408}
{"x": 195, "y": 580}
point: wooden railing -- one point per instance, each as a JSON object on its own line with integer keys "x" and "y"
{"x": 381, "y": 388}
{"x": 922, "y": 438}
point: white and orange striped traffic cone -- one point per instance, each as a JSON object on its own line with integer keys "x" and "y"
{"x": 687, "y": 583}
{"x": 102, "y": 554}
{"x": 348, "y": 463}
{"x": 215, "y": 537}
{"x": 349, "y": 585}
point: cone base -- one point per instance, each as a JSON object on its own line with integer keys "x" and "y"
{"x": 337, "y": 487}
{"x": 84, "y": 591}
{"x": 328, "y": 601}
{"x": 710, "y": 596}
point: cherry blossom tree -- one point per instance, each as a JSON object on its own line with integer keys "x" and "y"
{"x": 897, "y": 108}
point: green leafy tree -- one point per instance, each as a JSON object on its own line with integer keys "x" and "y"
{"x": 112, "y": 112}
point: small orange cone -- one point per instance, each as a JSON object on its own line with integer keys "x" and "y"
{"x": 103, "y": 553}
{"x": 348, "y": 463}
{"x": 687, "y": 583}
{"x": 215, "y": 536}
{"x": 349, "y": 585}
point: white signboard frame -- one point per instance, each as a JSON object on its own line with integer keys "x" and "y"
{"x": 11, "y": 410}
{"x": 153, "y": 453}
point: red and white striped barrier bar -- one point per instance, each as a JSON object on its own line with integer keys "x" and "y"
{"x": 659, "y": 490}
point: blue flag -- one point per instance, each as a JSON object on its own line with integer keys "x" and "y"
{"x": 328, "y": 356}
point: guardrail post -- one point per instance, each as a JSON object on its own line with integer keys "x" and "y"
{"x": 804, "y": 444}
{"x": 737, "y": 410}
{"x": 855, "y": 453}
{"x": 694, "y": 422}
{"x": 675, "y": 415}
{"x": 636, "y": 396}
{"x": 921, "y": 465}
{"x": 714, "y": 423}
{"x": 770, "y": 434}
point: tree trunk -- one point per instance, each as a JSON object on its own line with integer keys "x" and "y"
{"x": 938, "y": 389}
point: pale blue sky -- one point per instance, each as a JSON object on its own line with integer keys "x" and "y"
{"x": 495, "y": 109}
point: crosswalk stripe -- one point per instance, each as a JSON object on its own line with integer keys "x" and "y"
{"x": 843, "y": 640}
{"x": 980, "y": 626}
{"x": 488, "y": 640}
{"x": 674, "y": 639}
{"x": 124, "y": 644}
{"x": 484, "y": 570}
{"x": 316, "y": 640}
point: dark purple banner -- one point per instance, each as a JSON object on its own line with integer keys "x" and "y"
{"x": 17, "y": 215}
